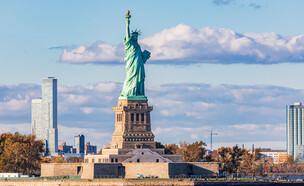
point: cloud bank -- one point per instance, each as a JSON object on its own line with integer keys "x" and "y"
{"x": 184, "y": 44}
{"x": 187, "y": 111}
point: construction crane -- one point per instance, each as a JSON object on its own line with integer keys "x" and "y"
{"x": 211, "y": 134}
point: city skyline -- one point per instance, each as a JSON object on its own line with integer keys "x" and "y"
{"x": 242, "y": 67}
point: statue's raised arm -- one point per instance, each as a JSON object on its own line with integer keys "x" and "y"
{"x": 128, "y": 16}
{"x": 135, "y": 72}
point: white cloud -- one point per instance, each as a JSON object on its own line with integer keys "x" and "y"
{"x": 184, "y": 44}
{"x": 76, "y": 99}
{"x": 14, "y": 104}
{"x": 22, "y": 128}
{"x": 87, "y": 110}
{"x": 246, "y": 126}
{"x": 98, "y": 51}
{"x": 106, "y": 87}
{"x": 194, "y": 136}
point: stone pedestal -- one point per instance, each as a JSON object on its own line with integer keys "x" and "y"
{"x": 132, "y": 125}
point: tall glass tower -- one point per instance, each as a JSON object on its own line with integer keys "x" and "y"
{"x": 295, "y": 130}
{"x": 44, "y": 115}
{"x": 79, "y": 144}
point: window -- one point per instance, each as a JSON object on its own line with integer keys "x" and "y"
{"x": 116, "y": 160}
{"x": 142, "y": 117}
{"x": 137, "y": 117}
{"x": 148, "y": 117}
{"x": 132, "y": 117}
{"x": 119, "y": 117}
{"x": 93, "y": 160}
{"x": 157, "y": 160}
{"x": 112, "y": 160}
{"x": 99, "y": 160}
{"x": 86, "y": 161}
{"x": 78, "y": 169}
{"x": 138, "y": 160}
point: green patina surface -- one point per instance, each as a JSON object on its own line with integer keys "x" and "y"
{"x": 133, "y": 97}
{"x": 135, "y": 72}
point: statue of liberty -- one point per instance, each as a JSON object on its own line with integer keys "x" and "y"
{"x": 135, "y": 72}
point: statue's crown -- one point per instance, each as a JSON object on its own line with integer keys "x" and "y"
{"x": 138, "y": 32}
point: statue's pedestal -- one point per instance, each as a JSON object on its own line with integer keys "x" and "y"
{"x": 132, "y": 140}
{"x": 132, "y": 124}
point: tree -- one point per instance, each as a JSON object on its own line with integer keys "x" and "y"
{"x": 58, "y": 159}
{"x": 46, "y": 159}
{"x": 283, "y": 158}
{"x": 236, "y": 157}
{"x": 171, "y": 149}
{"x": 191, "y": 152}
{"x": 34, "y": 151}
{"x": 159, "y": 145}
{"x": 20, "y": 153}
{"x": 194, "y": 151}
{"x": 250, "y": 162}
{"x": 73, "y": 160}
{"x": 230, "y": 158}
{"x": 223, "y": 155}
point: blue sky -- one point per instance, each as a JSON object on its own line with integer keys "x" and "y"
{"x": 242, "y": 45}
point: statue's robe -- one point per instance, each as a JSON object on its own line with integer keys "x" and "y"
{"x": 135, "y": 71}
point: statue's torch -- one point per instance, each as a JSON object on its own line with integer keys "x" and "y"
{"x": 128, "y": 16}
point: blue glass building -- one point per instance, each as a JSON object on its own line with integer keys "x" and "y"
{"x": 295, "y": 130}
{"x": 44, "y": 115}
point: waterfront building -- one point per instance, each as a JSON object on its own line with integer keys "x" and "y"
{"x": 65, "y": 148}
{"x": 275, "y": 155}
{"x": 79, "y": 144}
{"x": 10, "y": 175}
{"x": 90, "y": 149}
{"x": 44, "y": 115}
{"x": 295, "y": 130}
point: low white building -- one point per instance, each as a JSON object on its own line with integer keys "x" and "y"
{"x": 10, "y": 175}
{"x": 273, "y": 154}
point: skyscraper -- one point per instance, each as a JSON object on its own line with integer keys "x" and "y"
{"x": 90, "y": 149}
{"x": 44, "y": 115}
{"x": 295, "y": 130}
{"x": 79, "y": 144}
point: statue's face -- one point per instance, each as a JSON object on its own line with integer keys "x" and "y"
{"x": 134, "y": 37}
